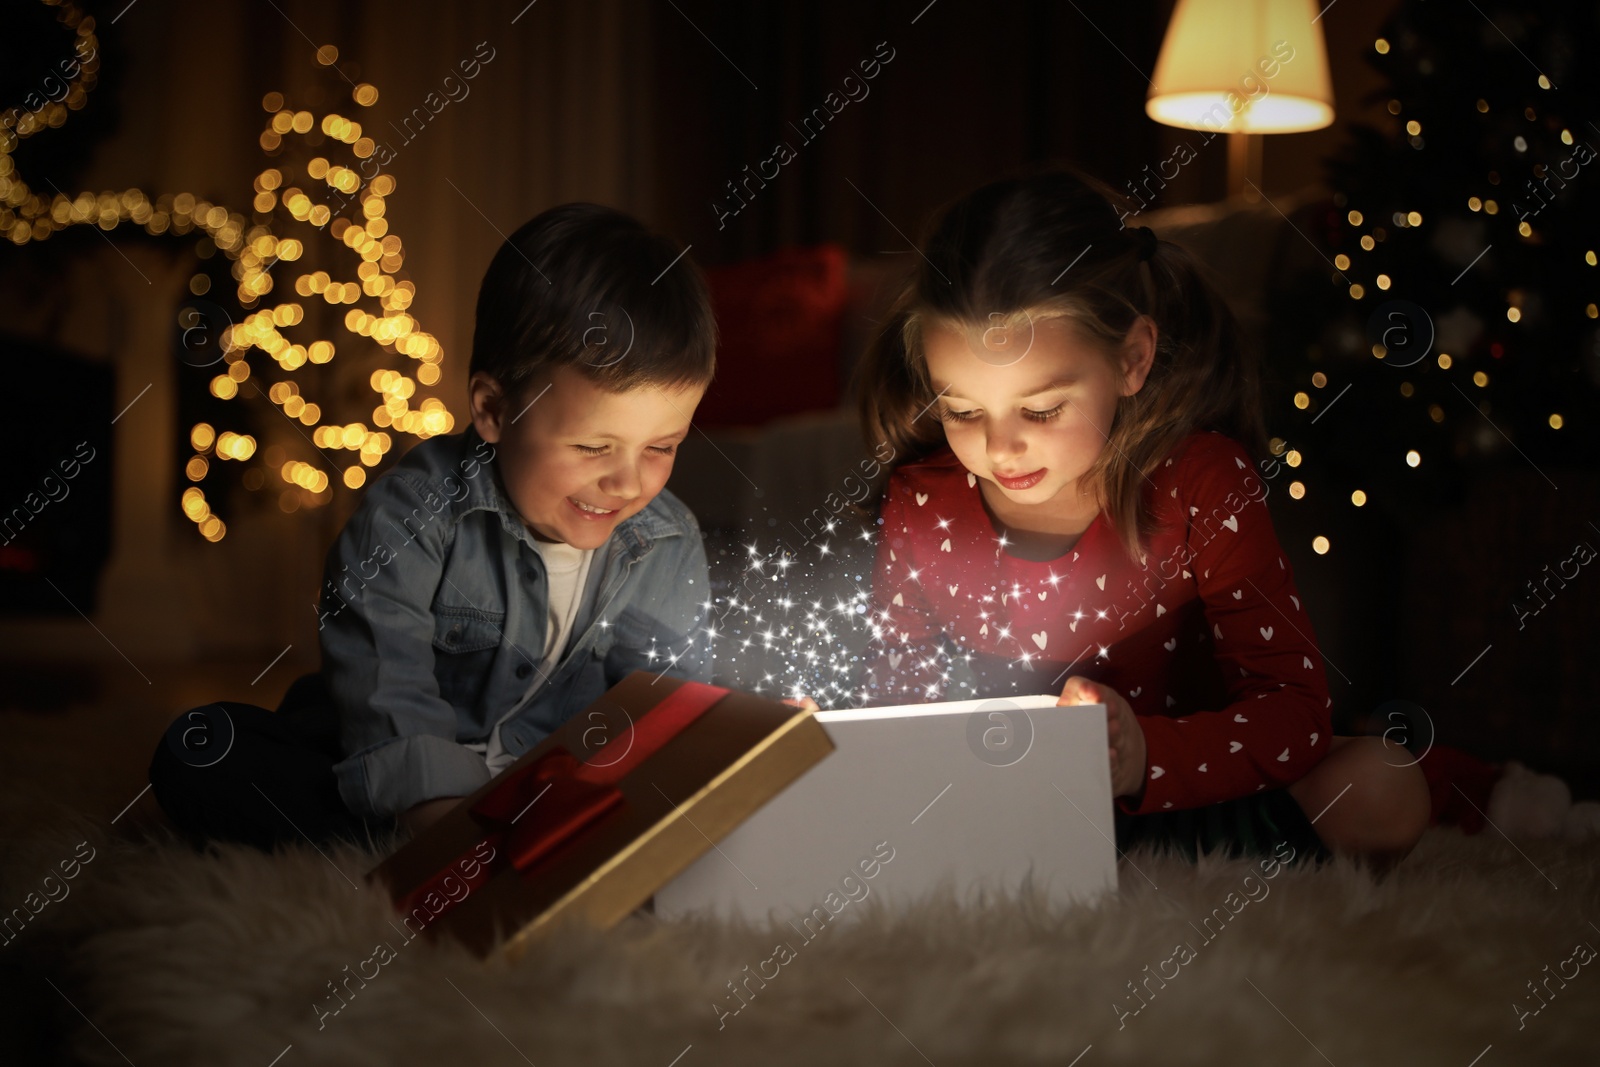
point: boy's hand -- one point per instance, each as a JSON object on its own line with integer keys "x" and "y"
{"x": 801, "y": 702}
{"x": 418, "y": 818}
{"x": 1123, "y": 732}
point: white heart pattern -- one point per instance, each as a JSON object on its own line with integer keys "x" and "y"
{"x": 898, "y": 601}
{"x": 1202, "y": 768}
{"x": 1186, "y": 574}
{"x": 904, "y": 636}
{"x": 1040, "y": 638}
{"x": 1234, "y": 746}
{"x": 1174, "y": 491}
{"x": 945, "y": 547}
{"x": 1217, "y": 628}
{"x": 1238, "y": 593}
{"x": 972, "y": 479}
{"x": 1283, "y": 757}
{"x": 1193, "y": 510}
{"x": 1101, "y": 582}
{"x": 1073, "y": 625}
{"x": 983, "y": 631}
{"x": 1074, "y": 555}
{"x": 1239, "y": 461}
{"x": 922, "y": 498}
{"x": 1170, "y": 645}
{"x": 892, "y": 556}
{"x": 1296, "y": 601}
{"x": 952, "y": 589}
{"x": 894, "y": 661}
{"x": 1314, "y": 738}
{"x": 1266, "y": 632}
{"x": 1136, "y": 692}
{"x": 1160, "y": 611}
{"x": 1232, "y": 523}
{"x": 1307, "y": 661}
{"x": 1239, "y": 718}
{"x": 1156, "y": 772}
{"x": 1171, "y": 702}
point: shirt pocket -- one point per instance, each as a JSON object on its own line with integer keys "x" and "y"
{"x": 466, "y": 642}
{"x": 636, "y": 629}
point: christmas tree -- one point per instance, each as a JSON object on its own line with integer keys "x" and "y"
{"x": 242, "y": 337}
{"x": 1457, "y": 326}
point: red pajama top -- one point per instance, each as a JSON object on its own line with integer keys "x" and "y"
{"x": 1205, "y": 637}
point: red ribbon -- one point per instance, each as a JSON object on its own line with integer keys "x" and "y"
{"x": 536, "y": 808}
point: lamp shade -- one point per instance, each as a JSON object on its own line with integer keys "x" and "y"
{"x": 1243, "y": 66}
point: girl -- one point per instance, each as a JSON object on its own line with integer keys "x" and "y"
{"x": 1080, "y": 502}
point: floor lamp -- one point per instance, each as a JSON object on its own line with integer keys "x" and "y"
{"x": 1244, "y": 68}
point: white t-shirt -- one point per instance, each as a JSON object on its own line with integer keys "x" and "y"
{"x": 567, "y": 569}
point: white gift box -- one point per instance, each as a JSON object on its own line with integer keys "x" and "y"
{"x": 977, "y": 794}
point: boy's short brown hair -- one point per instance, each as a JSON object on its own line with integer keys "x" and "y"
{"x": 590, "y": 287}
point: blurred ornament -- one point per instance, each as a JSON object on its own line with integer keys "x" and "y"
{"x": 1458, "y": 329}
{"x": 1459, "y": 241}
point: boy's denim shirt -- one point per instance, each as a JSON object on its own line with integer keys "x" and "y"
{"x": 432, "y": 621}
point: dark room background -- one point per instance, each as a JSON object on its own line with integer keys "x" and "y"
{"x": 665, "y": 108}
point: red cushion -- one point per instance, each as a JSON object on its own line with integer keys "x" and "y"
{"x": 779, "y": 319}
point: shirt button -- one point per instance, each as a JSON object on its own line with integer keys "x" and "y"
{"x": 524, "y": 670}
{"x": 453, "y": 637}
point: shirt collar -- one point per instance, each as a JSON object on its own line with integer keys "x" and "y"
{"x": 489, "y": 494}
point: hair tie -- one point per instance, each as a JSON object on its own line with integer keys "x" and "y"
{"x": 1147, "y": 241}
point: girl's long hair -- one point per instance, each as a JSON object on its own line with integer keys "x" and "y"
{"x": 1054, "y": 245}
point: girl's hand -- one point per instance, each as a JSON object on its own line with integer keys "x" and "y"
{"x": 801, "y": 702}
{"x": 1123, "y": 732}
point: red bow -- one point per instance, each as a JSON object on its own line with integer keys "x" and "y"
{"x": 536, "y": 808}
{"x": 568, "y": 802}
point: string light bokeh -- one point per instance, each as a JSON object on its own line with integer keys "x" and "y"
{"x": 345, "y": 204}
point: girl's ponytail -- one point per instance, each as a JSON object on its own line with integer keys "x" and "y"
{"x": 1203, "y": 379}
{"x": 1188, "y": 307}
{"x": 890, "y": 386}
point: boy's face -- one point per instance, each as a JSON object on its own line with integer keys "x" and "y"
{"x": 575, "y": 459}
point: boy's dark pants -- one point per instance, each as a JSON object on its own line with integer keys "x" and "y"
{"x": 238, "y": 772}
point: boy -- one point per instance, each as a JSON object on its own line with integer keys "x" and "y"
{"x": 494, "y": 582}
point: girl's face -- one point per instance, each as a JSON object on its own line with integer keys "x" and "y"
{"x": 1029, "y": 409}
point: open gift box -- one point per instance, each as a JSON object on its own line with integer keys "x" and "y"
{"x": 604, "y": 811}
{"x": 996, "y": 794}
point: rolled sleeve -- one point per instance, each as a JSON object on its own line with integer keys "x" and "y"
{"x": 697, "y": 663}
{"x": 394, "y": 775}
{"x": 676, "y": 586}
{"x": 376, "y": 633}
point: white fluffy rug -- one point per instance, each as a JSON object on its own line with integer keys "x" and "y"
{"x": 158, "y": 956}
